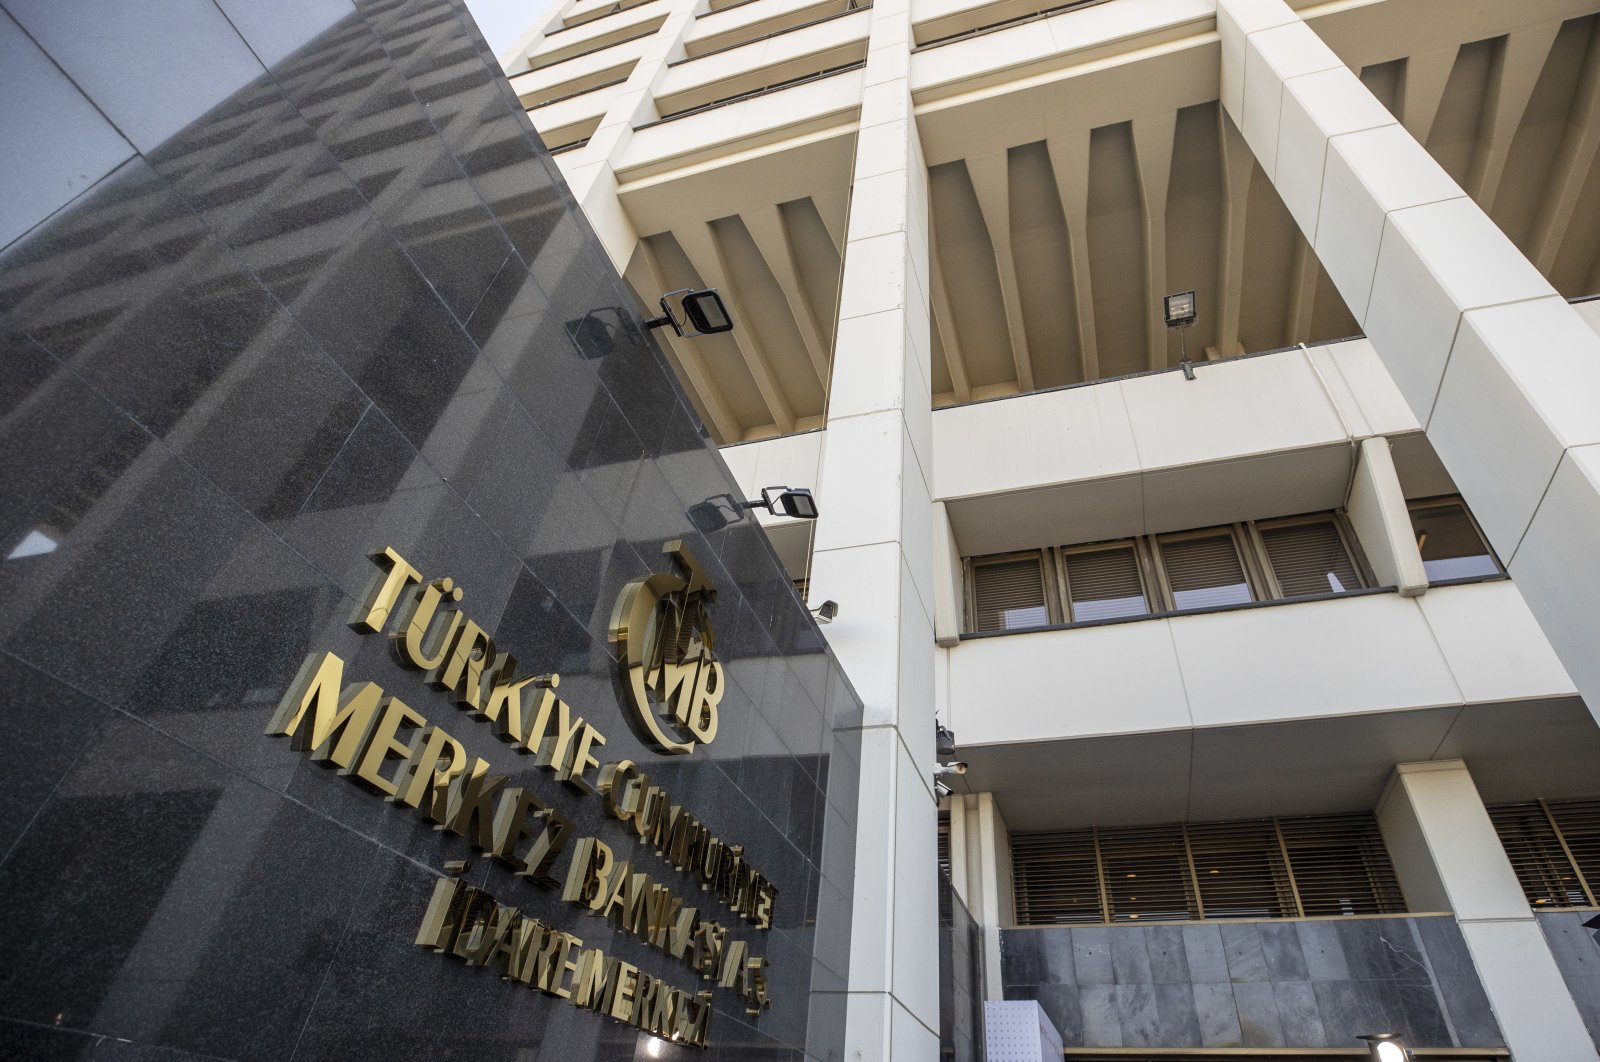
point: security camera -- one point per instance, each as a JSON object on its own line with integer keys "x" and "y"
{"x": 953, "y": 767}
{"x": 826, "y": 612}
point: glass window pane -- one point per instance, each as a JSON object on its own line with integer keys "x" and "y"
{"x": 1310, "y": 559}
{"x": 1205, "y": 572}
{"x": 1010, "y": 595}
{"x": 1451, "y": 546}
{"x": 1105, "y": 584}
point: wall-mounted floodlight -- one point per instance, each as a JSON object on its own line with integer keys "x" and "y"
{"x": 693, "y": 313}
{"x": 785, "y": 501}
{"x": 1179, "y": 312}
{"x": 1386, "y": 1047}
{"x": 826, "y": 612}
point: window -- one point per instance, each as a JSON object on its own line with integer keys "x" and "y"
{"x": 1008, "y": 593}
{"x": 1204, "y": 569}
{"x": 1104, "y": 582}
{"x": 1554, "y": 847}
{"x": 1290, "y": 557}
{"x": 1303, "y": 867}
{"x": 1309, "y": 556}
{"x": 1452, "y": 546}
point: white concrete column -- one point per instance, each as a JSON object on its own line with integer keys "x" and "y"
{"x": 1377, "y": 511}
{"x": 1501, "y": 372}
{"x": 980, "y": 870}
{"x": 874, "y": 555}
{"x": 1448, "y": 857}
{"x": 947, "y": 588}
{"x": 592, "y": 174}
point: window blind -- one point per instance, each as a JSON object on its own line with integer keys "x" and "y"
{"x": 1250, "y": 868}
{"x": 1147, "y": 874}
{"x": 1340, "y": 865}
{"x": 1204, "y": 572}
{"x": 1009, "y": 595}
{"x": 1056, "y": 878}
{"x": 1309, "y": 559}
{"x": 1105, "y": 583}
{"x": 1554, "y": 849}
{"x": 1240, "y": 870}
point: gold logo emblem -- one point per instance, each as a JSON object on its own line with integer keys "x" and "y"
{"x": 664, "y": 641}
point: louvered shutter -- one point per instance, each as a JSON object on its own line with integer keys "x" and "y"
{"x": 1055, "y": 880}
{"x": 1340, "y": 865}
{"x": 1105, "y": 583}
{"x": 1239, "y": 866}
{"x": 1310, "y": 558}
{"x": 1538, "y": 838}
{"x": 1147, "y": 874}
{"x": 1579, "y": 822}
{"x": 1204, "y": 572}
{"x": 1009, "y": 595}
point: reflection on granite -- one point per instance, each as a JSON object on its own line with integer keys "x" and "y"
{"x": 353, "y": 306}
{"x": 1577, "y": 951}
{"x": 1297, "y": 984}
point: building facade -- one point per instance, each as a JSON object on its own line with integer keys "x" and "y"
{"x": 1268, "y": 641}
{"x": 351, "y": 583}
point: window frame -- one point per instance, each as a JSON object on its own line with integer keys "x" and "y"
{"x": 1052, "y": 607}
{"x": 1154, "y": 604}
{"x": 1440, "y": 501}
{"x": 1347, "y": 539}
{"x": 1234, "y": 532}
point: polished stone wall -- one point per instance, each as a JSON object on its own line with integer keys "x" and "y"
{"x": 331, "y": 295}
{"x": 1313, "y": 983}
{"x": 1577, "y": 952}
{"x": 960, "y": 978}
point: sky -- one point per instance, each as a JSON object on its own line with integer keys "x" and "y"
{"x": 503, "y": 21}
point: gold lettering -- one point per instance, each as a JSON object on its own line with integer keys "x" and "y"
{"x": 504, "y": 710}
{"x": 589, "y": 987}
{"x": 620, "y": 785}
{"x": 463, "y": 670}
{"x": 439, "y": 921}
{"x": 589, "y": 876}
{"x": 766, "y": 897}
{"x": 702, "y": 719}
{"x": 348, "y": 715}
{"x": 411, "y": 637}
{"x": 753, "y": 989}
{"x": 626, "y": 904}
{"x": 555, "y": 749}
{"x": 384, "y": 590}
{"x": 624, "y": 982}
{"x": 732, "y": 964}
{"x": 385, "y": 744}
{"x": 565, "y": 965}
{"x": 540, "y": 723}
{"x": 684, "y": 932}
{"x": 583, "y": 759}
{"x": 469, "y": 804}
{"x": 434, "y": 760}
{"x": 476, "y": 915}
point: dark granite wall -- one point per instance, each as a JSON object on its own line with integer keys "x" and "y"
{"x": 961, "y": 984}
{"x": 1315, "y": 983}
{"x": 1577, "y": 952}
{"x": 351, "y": 306}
